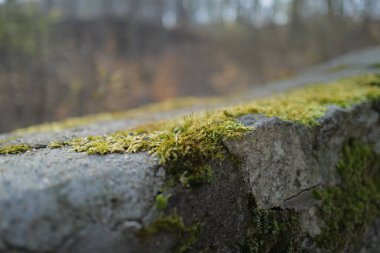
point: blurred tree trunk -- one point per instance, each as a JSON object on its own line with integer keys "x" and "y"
{"x": 70, "y": 8}
{"x": 330, "y": 9}
{"x": 107, "y": 10}
{"x": 182, "y": 14}
{"x": 369, "y": 7}
{"x": 158, "y": 12}
{"x": 41, "y": 71}
{"x": 296, "y": 25}
{"x": 133, "y": 26}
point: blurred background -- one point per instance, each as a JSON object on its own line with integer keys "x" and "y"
{"x": 64, "y": 58}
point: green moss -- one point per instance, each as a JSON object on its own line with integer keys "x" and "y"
{"x": 184, "y": 147}
{"x": 162, "y": 201}
{"x": 375, "y": 81}
{"x": 173, "y": 224}
{"x": 375, "y": 65}
{"x": 201, "y": 174}
{"x": 14, "y": 149}
{"x": 271, "y": 231}
{"x": 349, "y": 208}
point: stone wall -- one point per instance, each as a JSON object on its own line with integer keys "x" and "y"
{"x": 280, "y": 187}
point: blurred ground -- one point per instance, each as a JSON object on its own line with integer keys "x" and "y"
{"x": 65, "y": 58}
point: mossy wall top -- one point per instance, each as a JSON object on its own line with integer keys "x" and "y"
{"x": 185, "y": 145}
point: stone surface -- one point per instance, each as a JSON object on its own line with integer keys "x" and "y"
{"x": 371, "y": 242}
{"x": 53, "y": 199}
{"x": 277, "y": 155}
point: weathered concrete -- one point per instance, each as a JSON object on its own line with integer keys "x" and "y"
{"x": 284, "y": 159}
{"x": 53, "y": 200}
{"x": 284, "y": 162}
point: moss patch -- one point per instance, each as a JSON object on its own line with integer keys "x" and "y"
{"x": 173, "y": 224}
{"x": 14, "y": 149}
{"x": 308, "y": 104}
{"x": 184, "y": 147}
{"x": 57, "y": 144}
{"x": 375, "y": 65}
{"x": 349, "y": 208}
{"x": 162, "y": 201}
{"x": 375, "y": 81}
{"x": 271, "y": 230}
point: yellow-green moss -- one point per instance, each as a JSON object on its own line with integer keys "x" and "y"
{"x": 14, "y": 149}
{"x": 162, "y": 201}
{"x": 183, "y": 147}
{"x": 307, "y": 104}
{"x": 173, "y": 224}
{"x": 350, "y": 207}
{"x": 57, "y": 144}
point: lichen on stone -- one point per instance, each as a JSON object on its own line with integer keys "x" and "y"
{"x": 349, "y": 208}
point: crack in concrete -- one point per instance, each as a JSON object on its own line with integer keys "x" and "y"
{"x": 300, "y": 192}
